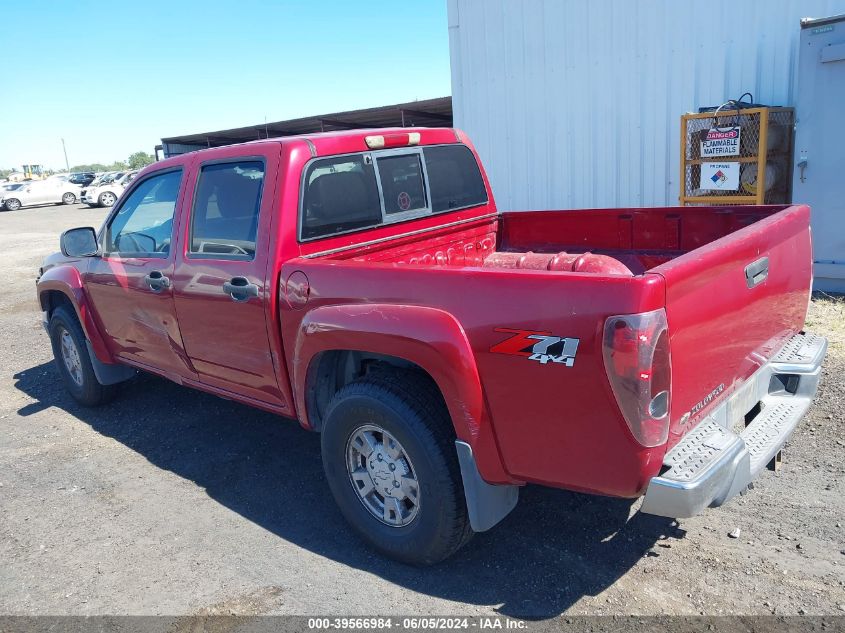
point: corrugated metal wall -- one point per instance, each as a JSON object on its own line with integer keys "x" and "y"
{"x": 576, "y": 103}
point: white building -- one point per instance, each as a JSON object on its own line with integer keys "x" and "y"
{"x": 576, "y": 103}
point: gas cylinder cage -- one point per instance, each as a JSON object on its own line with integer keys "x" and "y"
{"x": 765, "y": 156}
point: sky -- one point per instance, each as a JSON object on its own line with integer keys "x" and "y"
{"x": 112, "y": 78}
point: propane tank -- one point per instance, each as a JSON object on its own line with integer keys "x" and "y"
{"x": 748, "y": 177}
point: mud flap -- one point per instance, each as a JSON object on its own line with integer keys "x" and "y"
{"x": 487, "y": 504}
{"x": 108, "y": 374}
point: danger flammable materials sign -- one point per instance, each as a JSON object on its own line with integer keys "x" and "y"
{"x": 721, "y": 142}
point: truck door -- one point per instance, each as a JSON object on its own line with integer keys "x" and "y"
{"x": 130, "y": 285}
{"x": 221, "y": 295}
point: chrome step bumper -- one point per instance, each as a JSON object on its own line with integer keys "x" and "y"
{"x": 721, "y": 456}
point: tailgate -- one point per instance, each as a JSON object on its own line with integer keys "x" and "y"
{"x": 730, "y": 305}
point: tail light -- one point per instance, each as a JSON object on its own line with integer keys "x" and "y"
{"x": 399, "y": 139}
{"x": 636, "y": 358}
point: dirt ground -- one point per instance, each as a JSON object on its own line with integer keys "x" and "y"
{"x": 170, "y": 501}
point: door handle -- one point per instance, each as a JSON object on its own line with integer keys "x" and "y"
{"x": 157, "y": 281}
{"x": 240, "y": 289}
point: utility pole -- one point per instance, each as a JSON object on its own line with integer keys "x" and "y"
{"x": 64, "y": 149}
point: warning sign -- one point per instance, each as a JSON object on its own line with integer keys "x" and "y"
{"x": 720, "y": 142}
{"x": 720, "y": 176}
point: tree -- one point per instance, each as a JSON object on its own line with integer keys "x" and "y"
{"x": 139, "y": 160}
{"x": 135, "y": 161}
{"x": 89, "y": 167}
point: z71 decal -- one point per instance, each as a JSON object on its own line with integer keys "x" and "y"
{"x": 540, "y": 346}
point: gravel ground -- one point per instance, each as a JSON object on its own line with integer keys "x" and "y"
{"x": 170, "y": 501}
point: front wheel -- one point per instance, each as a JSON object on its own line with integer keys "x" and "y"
{"x": 389, "y": 455}
{"x": 69, "y": 198}
{"x": 12, "y": 204}
{"x": 73, "y": 362}
{"x": 107, "y": 199}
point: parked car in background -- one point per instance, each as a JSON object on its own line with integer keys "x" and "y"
{"x": 104, "y": 191}
{"x": 50, "y": 191}
{"x": 81, "y": 178}
{"x": 99, "y": 179}
{"x": 7, "y": 187}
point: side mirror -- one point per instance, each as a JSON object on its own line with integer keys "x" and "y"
{"x": 80, "y": 242}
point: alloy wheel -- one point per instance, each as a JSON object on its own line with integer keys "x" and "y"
{"x": 70, "y": 357}
{"x": 383, "y": 476}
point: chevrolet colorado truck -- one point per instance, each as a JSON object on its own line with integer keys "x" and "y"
{"x": 364, "y": 283}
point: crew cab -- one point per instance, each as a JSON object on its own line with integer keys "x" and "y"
{"x": 365, "y": 284}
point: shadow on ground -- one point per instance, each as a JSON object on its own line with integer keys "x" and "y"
{"x": 553, "y": 549}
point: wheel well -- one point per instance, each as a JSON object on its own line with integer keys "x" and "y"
{"x": 330, "y": 371}
{"x": 52, "y": 299}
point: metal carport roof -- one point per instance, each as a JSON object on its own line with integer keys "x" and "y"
{"x": 425, "y": 113}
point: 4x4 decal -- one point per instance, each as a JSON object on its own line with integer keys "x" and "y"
{"x": 543, "y": 347}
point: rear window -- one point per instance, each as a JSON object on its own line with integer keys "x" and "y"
{"x": 454, "y": 177}
{"x": 402, "y": 185}
{"x": 342, "y": 194}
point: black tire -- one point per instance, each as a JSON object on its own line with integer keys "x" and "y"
{"x": 88, "y": 392}
{"x": 409, "y": 407}
{"x": 12, "y": 204}
{"x": 68, "y": 197}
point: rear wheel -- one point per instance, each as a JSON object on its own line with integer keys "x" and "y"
{"x": 73, "y": 362}
{"x": 69, "y": 198}
{"x": 107, "y": 199}
{"x": 13, "y": 204}
{"x": 389, "y": 455}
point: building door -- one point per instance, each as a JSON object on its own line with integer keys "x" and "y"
{"x": 820, "y": 145}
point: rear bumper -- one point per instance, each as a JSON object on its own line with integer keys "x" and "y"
{"x": 721, "y": 456}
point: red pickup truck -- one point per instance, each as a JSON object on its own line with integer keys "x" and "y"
{"x": 364, "y": 283}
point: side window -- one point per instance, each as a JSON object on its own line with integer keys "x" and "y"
{"x": 348, "y": 193}
{"x": 340, "y": 194}
{"x": 224, "y": 222}
{"x": 143, "y": 225}
{"x": 454, "y": 177}
{"x": 402, "y": 183}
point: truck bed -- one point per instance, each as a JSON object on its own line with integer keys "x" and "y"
{"x": 600, "y": 241}
{"x": 687, "y": 261}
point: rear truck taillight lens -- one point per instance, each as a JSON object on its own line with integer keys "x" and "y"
{"x": 636, "y": 357}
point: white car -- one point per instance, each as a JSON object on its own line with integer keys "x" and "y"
{"x": 106, "y": 189}
{"x": 29, "y": 193}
